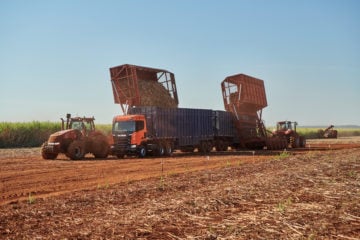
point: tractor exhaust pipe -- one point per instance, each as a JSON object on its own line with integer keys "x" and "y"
{"x": 68, "y": 116}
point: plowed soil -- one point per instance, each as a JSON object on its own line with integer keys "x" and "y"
{"x": 313, "y": 193}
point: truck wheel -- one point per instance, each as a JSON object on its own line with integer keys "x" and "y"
{"x": 160, "y": 150}
{"x": 46, "y": 154}
{"x": 76, "y": 150}
{"x": 142, "y": 152}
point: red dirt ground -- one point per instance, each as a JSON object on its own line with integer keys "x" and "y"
{"x": 308, "y": 194}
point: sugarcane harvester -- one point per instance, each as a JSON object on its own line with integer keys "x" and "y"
{"x": 329, "y": 132}
{"x": 245, "y": 97}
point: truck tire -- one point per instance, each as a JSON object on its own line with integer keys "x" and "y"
{"x": 46, "y": 154}
{"x": 160, "y": 151}
{"x": 142, "y": 151}
{"x": 168, "y": 149}
{"x": 76, "y": 150}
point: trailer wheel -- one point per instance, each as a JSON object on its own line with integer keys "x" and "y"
{"x": 205, "y": 147}
{"x": 142, "y": 152}
{"x": 76, "y": 150}
{"x": 220, "y": 146}
{"x": 168, "y": 149}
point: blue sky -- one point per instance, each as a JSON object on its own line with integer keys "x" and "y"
{"x": 55, "y": 55}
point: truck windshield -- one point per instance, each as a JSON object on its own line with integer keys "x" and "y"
{"x": 128, "y": 126}
{"x": 124, "y": 126}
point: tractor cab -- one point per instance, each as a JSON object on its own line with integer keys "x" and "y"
{"x": 286, "y": 126}
{"x": 85, "y": 125}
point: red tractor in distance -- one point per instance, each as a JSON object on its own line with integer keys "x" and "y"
{"x": 76, "y": 138}
{"x": 287, "y": 129}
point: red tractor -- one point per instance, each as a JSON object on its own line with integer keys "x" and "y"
{"x": 287, "y": 129}
{"x": 76, "y": 138}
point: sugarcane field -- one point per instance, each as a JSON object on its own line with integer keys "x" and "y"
{"x": 179, "y": 120}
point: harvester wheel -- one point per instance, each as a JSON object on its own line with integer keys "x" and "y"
{"x": 100, "y": 147}
{"x": 269, "y": 144}
{"x": 46, "y": 154}
{"x": 76, "y": 150}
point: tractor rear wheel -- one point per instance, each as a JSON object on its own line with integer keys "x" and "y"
{"x": 76, "y": 150}
{"x": 295, "y": 141}
{"x": 302, "y": 141}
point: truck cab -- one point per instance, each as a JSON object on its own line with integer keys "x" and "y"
{"x": 129, "y": 133}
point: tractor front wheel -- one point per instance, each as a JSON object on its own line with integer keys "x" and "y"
{"x": 46, "y": 154}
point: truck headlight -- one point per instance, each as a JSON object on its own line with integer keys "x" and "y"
{"x": 133, "y": 146}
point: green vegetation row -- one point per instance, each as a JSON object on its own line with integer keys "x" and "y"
{"x": 32, "y": 134}
{"x": 312, "y": 133}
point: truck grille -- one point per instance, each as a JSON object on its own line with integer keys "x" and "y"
{"x": 122, "y": 143}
